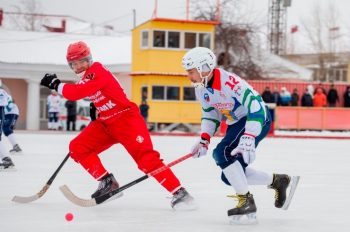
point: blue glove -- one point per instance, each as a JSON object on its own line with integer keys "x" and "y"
{"x": 50, "y": 81}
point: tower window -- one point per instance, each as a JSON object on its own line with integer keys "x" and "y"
{"x": 144, "y": 39}
{"x": 173, "y": 39}
{"x": 159, "y": 39}
{"x": 190, "y": 39}
{"x": 204, "y": 40}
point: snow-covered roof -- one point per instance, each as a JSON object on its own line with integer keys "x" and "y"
{"x": 50, "y": 48}
{"x": 278, "y": 67}
{"x": 274, "y": 66}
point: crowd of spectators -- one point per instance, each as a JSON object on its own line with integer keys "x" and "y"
{"x": 318, "y": 97}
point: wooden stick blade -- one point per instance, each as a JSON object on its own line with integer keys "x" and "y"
{"x": 76, "y": 200}
{"x": 23, "y": 200}
{"x": 19, "y": 199}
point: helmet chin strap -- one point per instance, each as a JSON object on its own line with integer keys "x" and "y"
{"x": 204, "y": 82}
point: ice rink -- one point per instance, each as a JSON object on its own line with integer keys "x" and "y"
{"x": 320, "y": 203}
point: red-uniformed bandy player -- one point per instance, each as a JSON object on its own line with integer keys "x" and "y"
{"x": 119, "y": 121}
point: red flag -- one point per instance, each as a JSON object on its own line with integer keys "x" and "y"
{"x": 294, "y": 29}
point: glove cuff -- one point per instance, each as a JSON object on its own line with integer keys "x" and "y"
{"x": 250, "y": 135}
{"x": 205, "y": 136}
{"x": 56, "y": 83}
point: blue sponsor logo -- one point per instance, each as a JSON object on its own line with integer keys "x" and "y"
{"x": 211, "y": 90}
{"x": 206, "y": 97}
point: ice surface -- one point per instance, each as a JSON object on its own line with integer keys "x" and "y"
{"x": 320, "y": 202}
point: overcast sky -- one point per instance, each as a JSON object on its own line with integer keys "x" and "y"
{"x": 119, "y": 12}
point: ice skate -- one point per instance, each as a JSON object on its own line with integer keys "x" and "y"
{"x": 280, "y": 184}
{"x": 107, "y": 184}
{"x": 182, "y": 200}
{"x": 245, "y": 211}
{"x": 7, "y": 164}
{"x": 16, "y": 150}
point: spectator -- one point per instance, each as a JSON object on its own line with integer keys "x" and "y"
{"x": 144, "y": 107}
{"x": 332, "y": 96}
{"x": 267, "y": 95}
{"x": 295, "y": 98}
{"x": 310, "y": 88}
{"x": 306, "y": 99}
{"x": 144, "y": 95}
{"x": 285, "y": 97}
{"x": 320, "y": 85}
{"x": 320, "y": 99}
{"x": 71, "y": 114}
{"x": 276, "y": 97}
{"x": 347, "y": 97}
{"x": 54, "y": 106}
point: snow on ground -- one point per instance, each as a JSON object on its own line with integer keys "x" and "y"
{"x": 320, "y": 203}
{"x": 314, "y": 133}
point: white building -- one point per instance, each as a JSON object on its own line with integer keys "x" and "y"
{"x": 25, "y": 57}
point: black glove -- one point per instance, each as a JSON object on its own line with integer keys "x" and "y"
{"x": 92, "y": 112}
{"x": 50, "y": 81}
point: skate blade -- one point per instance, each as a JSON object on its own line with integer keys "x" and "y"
{"x": 10, "y": 169}
{"x": 16, "y": 153}
{"x": 249, "y": 219}
{"x": 116, "y": 196}
{"x": 189, "y": 205}
{"x": 293, "y": 186}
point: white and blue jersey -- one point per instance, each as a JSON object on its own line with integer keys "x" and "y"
{"x": 227, "y": 96}
{"x": 3, "y": 102}
{"x": 11, "y": 112}
{"x": 11, "y": 107}
{"x": 232, "y": 97}
{"x": 3, "y": 97}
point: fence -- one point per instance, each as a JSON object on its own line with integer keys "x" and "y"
{"x": 310, "y": 118}
{"x": 300, "y": 86}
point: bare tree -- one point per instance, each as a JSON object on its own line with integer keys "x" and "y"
{"x": 235, "y": 36}
{"x": 27, "y": 16}
{"x": 322, "y": 30}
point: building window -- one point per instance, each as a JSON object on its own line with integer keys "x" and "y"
{"x": 344, "y": 76}
{"x": 337, "y": 75}
{"x": 190, "y": 39}
{"x": 144, "y": 39}
{"x": 172, "y": 93}
{"x": 165, "y": 93}
{"x": 159, "y": 39}
{"x": 158, "y": 92}
{"x": 144, "y": 93}
{"x": 189, "y": 94}
{"x": 173, "y": 39}
{"x": 204, "y": 40}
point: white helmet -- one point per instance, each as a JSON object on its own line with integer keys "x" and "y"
{"x": 201, "y": 58}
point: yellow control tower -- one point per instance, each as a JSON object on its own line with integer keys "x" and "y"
{"x": 158, "y": 46}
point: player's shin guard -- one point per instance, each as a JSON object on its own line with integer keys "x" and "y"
{"x": 168, "y": 180}
{"x": 92, "y": 164}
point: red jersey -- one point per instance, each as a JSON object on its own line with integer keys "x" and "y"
{"x": 103, "y": 89}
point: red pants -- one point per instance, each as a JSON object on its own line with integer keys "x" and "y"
{"x": 129, "y": 130}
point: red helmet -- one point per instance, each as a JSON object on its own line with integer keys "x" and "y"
{"x": 77, "y": 51}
